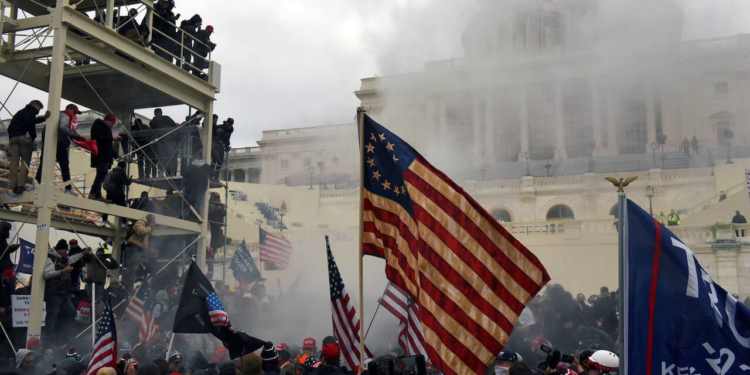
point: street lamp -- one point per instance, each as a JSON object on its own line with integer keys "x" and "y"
{"x": 311, "y": 179}
{"x": 650, "y": 195}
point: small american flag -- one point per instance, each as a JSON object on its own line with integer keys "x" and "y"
{"x": 410, "y": 334}
{"x": 345, "y": 319}
{"x": 216, "y": 311}
{"x": 105, "y": 347}
{"x": 553, "y": 6}
{"x": 275, "y": 250}
{"x": 139, "y": 310}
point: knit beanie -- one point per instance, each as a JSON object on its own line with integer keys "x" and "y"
{"x": 62, "y": 244}
{"x": 269, "y": 352}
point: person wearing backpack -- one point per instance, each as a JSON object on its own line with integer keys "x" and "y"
{"x": 114, "y": 185}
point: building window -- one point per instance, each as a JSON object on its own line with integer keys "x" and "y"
{"x": 284, "y": 163}
{"x": 306, "y": 162}
{"x": 560, "y": 211}
{"x": 721, "y": 89}
{"x": 501, "y": 215}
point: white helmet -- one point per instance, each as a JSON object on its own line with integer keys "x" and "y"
{"x": 604, "y": 361}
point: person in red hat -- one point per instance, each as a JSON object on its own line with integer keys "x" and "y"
{"x": 330, "y": 354}
{"x": 202, "y": 47}
{"x": 66, "y": 131}
{"x": 101, "y": 132}
{"x": 308, "y": 350}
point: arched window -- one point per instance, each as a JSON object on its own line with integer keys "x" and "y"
{"x": 560, "y": 211}
{"x": 501, "y": 215}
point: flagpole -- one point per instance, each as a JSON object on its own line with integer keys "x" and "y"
{"x": 171, "y": 343}
{"x": 622, "y": 244}
{"x": 377, "y": 308}
{"x": 333, "y": 325}
{"x": 93, "y": 315}
{"x": 260, "y": 264}
{"x": 360, "y": 126}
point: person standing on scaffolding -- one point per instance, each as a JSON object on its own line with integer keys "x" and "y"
{"x": 163, "y": 20}
{"x": 139, "y": 142}
{"x": 220, "y": 145}
{"x": 101, "y": 132}
{"x": 66, "y": 132}
{"x": 22, "y": 133}
{"x": 167, "y": 160}
{"x": 190, "y": 29}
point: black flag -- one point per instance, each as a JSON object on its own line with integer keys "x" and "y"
{"x": 201, "y": 311}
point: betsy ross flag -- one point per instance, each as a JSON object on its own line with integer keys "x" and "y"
{"x": 140, "y": 310}
{"x": 346, "y": 323}
{"x": 410, "y": 335}
{"x": 105, "y": 347}
{"x": 275, "y": 250}
{"x": 678, "y": 320}
{"x": 201, "y": 311}
{"x": 469, "y": 277}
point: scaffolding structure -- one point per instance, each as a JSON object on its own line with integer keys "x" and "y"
{"x": 120, "y": 76}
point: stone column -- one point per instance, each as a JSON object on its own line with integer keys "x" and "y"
{"x": 233, "y": 175}
{"x": 489, "y": 131}
{"x": 559, "y": 121}
{"x": 528, "y": 198}
{"x": 524, "y": 116}
{"x": 612, "y": 113}
{"x": 650, "y": 113}
{"x": 726, "y": 265}
{"x": 596, "y": 115}
{"x": 247, "y": 175}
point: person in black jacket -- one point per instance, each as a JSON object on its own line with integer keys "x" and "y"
{"x": 163, "y": 20}
{"x": 221, "y": 142}
{"x": 7, "y": 289}
{"x": 101, "y": 132}
{"x": 140, "y": 140}
{"x": 5, "y": 260}
{"x": 97, "y": 267}
{"x": 189, "y": 27}
{"x": 167, "y": 161}
{"x": 75, "y": 275}
{"x": 22, "y": 133}
{"x": 202, "y": 49}
{"x": 115, "y": 187}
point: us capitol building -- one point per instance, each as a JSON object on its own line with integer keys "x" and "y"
{"x": 544, "y": 105}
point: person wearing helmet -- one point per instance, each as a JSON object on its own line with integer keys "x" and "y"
{"x": 602, "y": 362}
{"x": 503, "y": 361}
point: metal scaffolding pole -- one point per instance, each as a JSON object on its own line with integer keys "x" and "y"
{"x": 207, "y": 145}
{"x": 45, "y": 193}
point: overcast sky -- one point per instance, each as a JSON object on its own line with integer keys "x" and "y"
{"x": 296, "y": 63}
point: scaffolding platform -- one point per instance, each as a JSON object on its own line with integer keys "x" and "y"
{"x": 73, "y": 57}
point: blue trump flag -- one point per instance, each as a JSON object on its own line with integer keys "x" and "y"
{"x": 26, "y": 258}
{"x": 679, "y": 321}
{"x": 243, "y": 266}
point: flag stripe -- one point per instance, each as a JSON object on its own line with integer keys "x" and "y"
{"x": 275, "y": 250}
{"x": 518, "y": 253}
{"x": 504, "y": 273}
{"x": 452, "y": 264}
{"x": 376, "y": 239}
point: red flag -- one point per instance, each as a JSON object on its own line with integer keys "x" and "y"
{"x": 89, "y": 145}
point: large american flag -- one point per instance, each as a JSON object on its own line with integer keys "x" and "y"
{"x": 469, "y": 277}
{"x": 410, "y": 334}
{"x": 105, "y": 347}
{"x": 345, "y": 319}
{"x": 274, "y": 249}
{"x": 140, "y": 310}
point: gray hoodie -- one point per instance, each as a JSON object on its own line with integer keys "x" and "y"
{"x": 49, "y": 268}
{"x": 20, "y": 355}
